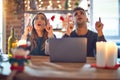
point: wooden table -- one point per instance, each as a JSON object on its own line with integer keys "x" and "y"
{"x": 42, "y": 69}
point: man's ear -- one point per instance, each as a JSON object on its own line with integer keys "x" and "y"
{"x": 87, "y": 20}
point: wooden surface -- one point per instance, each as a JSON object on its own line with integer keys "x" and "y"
{"x": 42, "y": 69}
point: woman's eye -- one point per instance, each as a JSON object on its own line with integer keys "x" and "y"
{"x": 42, "y": 18}
{"x": 36, "y": 18}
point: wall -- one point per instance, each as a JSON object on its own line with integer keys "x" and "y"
{"x": 13, "y": 17}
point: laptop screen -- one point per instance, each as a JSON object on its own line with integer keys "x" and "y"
{"x": 68, "y": 49}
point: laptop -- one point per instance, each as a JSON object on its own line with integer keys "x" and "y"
{"x": 68, "y": 49}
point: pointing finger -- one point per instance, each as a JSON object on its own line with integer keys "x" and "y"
{"x": 99, "y": 19}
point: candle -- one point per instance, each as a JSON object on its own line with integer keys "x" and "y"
{"x": 106, "y": 54}
{"x": 101, "y": 54}
{"x": 111, "y": 54}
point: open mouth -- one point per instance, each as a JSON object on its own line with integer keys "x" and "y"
{"x": 79, "y": 18}
{"x": 39, "y": 24}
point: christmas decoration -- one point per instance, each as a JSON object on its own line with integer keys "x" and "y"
{"x": 53, "y": 17}
{"x": 61, "y": 18}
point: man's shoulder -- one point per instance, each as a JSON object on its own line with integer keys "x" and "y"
{"x": 91, "y": 32}
{"x": 73, "y": 33}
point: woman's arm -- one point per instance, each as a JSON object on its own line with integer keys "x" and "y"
{"x": 26, "y": 32}
{"x": 24, "y": 37}
{"x": 47, "y": 52}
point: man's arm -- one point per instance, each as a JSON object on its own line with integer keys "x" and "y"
{"x": 65, "y": 35}
{"x": 101, "y": 38}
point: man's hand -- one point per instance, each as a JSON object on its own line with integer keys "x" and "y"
{"x": 70, "y": 28}
{"x": 99, "y": 27}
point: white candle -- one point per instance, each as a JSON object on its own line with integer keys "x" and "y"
{"x": 101, "y": 54}
{"x": 111, "y": 54}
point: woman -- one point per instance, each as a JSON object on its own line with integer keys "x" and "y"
{"x": 40, "y": 30}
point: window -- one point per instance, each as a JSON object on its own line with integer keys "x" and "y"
{"x": 108, "y": 10}
{"x": 1, "y": 24}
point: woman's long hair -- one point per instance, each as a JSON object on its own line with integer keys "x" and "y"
{"x": 34, "y": 35}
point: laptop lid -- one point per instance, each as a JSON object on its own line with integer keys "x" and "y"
{"x": 68, "y": 49}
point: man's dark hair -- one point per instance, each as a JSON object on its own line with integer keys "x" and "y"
{"x": 78, "y": 8}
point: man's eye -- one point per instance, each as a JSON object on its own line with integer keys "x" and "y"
{"x": 75, "y": 14}
{"x": 82, "y": 12}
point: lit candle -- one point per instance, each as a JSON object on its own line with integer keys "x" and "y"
{"x": 111, "y": 54}
{"x": 101, "y": 54}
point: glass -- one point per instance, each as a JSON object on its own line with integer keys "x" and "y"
{"x": 12, "y": 42}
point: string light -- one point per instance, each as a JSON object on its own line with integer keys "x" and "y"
{"x": 60, "y": 7}
{"x": 58, "y": 2}
{"x": 56, "y": 5}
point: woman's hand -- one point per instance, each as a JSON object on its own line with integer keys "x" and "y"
{"x": 99, "y": 27}
{"x": 27, "y": 30}
{"x": 49, "y": 29}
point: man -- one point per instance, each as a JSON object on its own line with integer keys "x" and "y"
{"x": 80, "y": 20}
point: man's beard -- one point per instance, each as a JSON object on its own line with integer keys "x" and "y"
{"x": 79, "y": 25}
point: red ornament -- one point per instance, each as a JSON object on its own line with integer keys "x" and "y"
{"x": 53, "y": 17}
{"x": 61, "y": 18}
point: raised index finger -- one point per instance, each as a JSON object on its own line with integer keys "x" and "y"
{"x": 48, "y": 23}
{"x": 99, "y": 19}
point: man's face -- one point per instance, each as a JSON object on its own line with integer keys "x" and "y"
{"x": 80, "y": 17}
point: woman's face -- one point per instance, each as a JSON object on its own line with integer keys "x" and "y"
{"x": 40, "y": 22}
